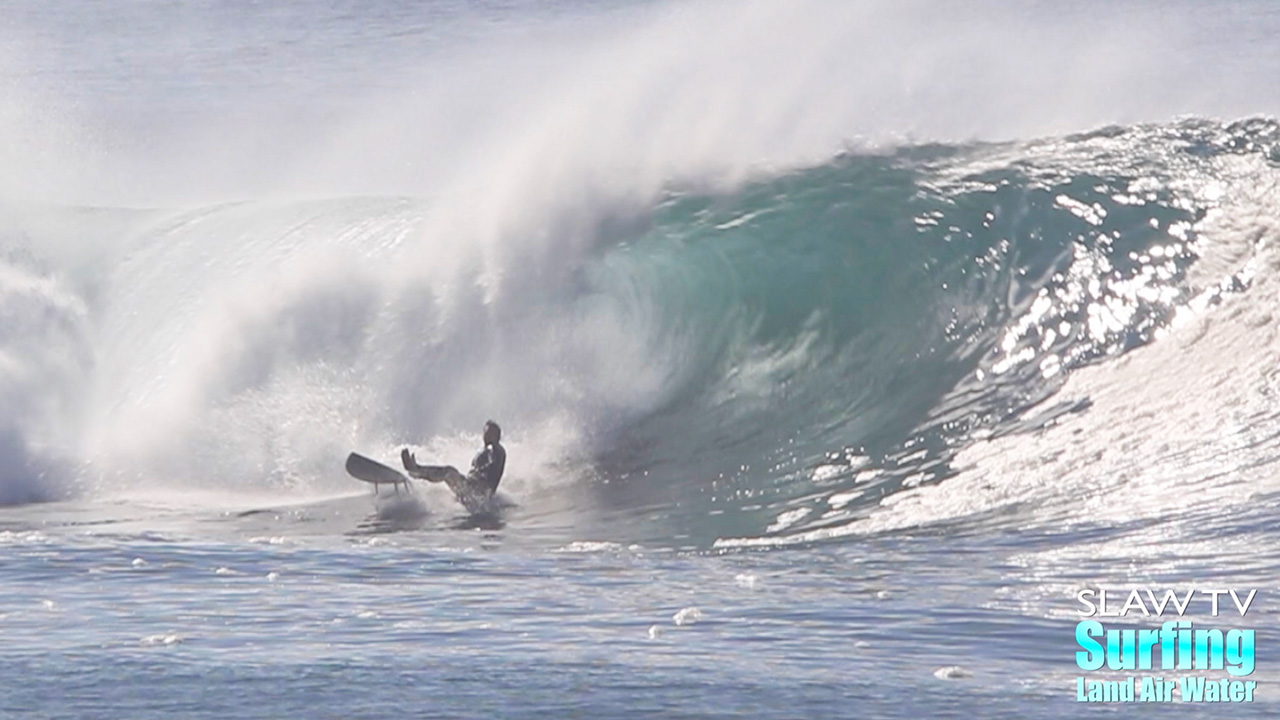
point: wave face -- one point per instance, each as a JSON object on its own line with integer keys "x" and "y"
{"x": 775, "y": 358}
{"x": 846, "y": 329}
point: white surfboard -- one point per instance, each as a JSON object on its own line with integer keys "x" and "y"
{"x": 374, "y": 472}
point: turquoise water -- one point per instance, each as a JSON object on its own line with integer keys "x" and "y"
{"x": 837, "y": 348}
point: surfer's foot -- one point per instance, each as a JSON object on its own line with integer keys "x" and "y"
{"x": 410, "y": 462}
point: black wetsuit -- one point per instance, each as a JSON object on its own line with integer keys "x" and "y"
{"x": 488, "y": 465}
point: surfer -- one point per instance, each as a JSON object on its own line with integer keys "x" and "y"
{"x": 477, "y": 485}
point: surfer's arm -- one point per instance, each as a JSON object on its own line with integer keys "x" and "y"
{"x": 486, "y": 460}
{"x": 487, "y": 467}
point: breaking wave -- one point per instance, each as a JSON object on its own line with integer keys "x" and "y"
{"x": 780, "y": 356}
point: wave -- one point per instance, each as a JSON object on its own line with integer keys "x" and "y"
{"x": 42, "y": 362}
{"x": 858, "y": 323}
{"x": 770, "y": 359}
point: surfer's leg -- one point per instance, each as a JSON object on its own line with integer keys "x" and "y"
{"x": 456, "y": 481}
{"x": 438, "y": 473}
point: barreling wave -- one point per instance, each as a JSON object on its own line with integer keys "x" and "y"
{"x": 849, "y": 327}
{"x": 777, "y": 357}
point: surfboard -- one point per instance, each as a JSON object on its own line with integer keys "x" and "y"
{"x": 372, "y": 471}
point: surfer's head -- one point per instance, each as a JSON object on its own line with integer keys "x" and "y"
{"x": 492, "y": 433}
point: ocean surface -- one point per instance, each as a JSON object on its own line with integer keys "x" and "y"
{"x": 837, "y": 347}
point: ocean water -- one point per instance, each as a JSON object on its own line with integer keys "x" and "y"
{"x": 837, "y": 348}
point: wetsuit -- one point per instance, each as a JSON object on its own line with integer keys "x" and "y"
{"x": 487, "y": 467}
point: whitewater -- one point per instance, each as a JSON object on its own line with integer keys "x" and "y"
{"x": 837, "y": 348}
